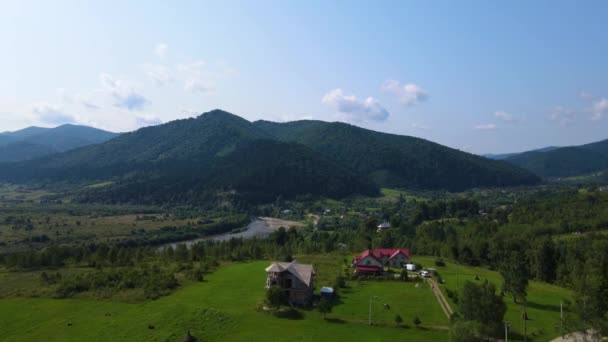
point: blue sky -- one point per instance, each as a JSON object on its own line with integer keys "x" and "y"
{"x": 481, "y": 76}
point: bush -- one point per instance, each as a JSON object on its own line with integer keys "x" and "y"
{"x": 416, "y": 321}
{"x": 439, "y": 262}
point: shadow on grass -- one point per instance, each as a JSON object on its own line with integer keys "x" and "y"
{"x": 290, "y": 313}
{"x": 548, "y": 307}
{"x": 335, "y": 320}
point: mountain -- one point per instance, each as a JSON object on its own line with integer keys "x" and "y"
{"x": 392, "y": 160}
{"x": 191, "y": 160}
{"x": 34, "y": 142}
{"x": 502, "y": 156}
{"x": 219, "y": 154}
{"x": 565, "y": 161}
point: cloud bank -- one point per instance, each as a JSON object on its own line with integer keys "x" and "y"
{"x": 353, "y": 109}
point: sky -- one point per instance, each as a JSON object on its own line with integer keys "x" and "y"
{"x": 479, "y": 76}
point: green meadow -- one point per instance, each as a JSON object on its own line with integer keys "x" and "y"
{"x": 543, "y": 300}
{"x": 223, "y": 308}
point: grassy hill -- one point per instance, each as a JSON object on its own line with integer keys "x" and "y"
{"x": 223, "y": 308}
{"x": 398, "y": 161}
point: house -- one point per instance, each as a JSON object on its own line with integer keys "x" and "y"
{"x": 374, "y": 261}
{"x": 296, "y": 279}
{"x": 382, "y": 226}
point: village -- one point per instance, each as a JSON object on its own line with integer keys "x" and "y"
{"x": 295, "y": 282}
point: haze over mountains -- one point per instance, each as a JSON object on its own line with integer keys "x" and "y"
{"x": 218, "y": 152}
{"x": 565, "y": 161}
{"x": 34, "y": 142}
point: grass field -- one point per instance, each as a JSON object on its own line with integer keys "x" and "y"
{"x": 404, "y": 298}
{"x": 543, "y": 306}
{"x": 221, "y": 308}
{"x": 393, "y": 194}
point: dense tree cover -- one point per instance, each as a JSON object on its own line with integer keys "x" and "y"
{"x": 565, "y": 161}
{"x": 215, "y": 158}
{"x": 219, "y": 157}
{"x": 481, "y": 304}
{"x": 398, "y": 161}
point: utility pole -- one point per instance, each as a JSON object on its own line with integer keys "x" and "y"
{"x": 370, "y": 310}
{"x": 525, "y": 318}
{"x": 561, "y": 317}
{"x": 506, "y": 331}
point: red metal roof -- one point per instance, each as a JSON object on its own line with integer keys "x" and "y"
{"x": 380, "y": 253}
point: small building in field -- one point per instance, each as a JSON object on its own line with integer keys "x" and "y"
{"x": 410, "y": 267}
{"x": 296, "y": 279}
{"x": 374, "y": 261}
{"x": 327, "y": 293}
{"x": 382, "y": 226}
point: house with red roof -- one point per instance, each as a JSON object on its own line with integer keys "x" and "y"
{"x": 374, "y": 261}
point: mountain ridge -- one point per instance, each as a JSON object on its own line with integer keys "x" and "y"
{"x": 195, "y": 158}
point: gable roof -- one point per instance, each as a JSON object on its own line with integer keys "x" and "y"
{"x": 303, "y": 272}
{"x": 380, "y": 253}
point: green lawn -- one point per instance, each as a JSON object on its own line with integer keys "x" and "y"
{"x": 221, "y": 308}
{"x": 408, "y": 299}
{"x": 543, "y": 299}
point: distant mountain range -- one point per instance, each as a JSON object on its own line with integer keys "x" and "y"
{"x": 555, "y": 162}
{"x": 35, "y": 142}
{"x": 502, "y": 156}
{"x": 219, "y": 155}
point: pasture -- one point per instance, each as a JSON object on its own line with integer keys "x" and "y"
{"x": 221, "y": 308}
{"x": 543, "y": 307}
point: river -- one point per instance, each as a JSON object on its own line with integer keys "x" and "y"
{"x": 256, "y": 228}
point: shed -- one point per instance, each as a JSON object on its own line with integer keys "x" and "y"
{"x": 327, "y": 292}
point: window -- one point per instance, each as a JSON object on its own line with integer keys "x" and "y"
{"x": 288, "y": 283}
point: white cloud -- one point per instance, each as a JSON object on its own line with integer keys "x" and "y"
{"x": 48, "y": 114}
{"x": 599, "y": 108}
{"x": 408, "y": 94}
{"x": 505, "y": 117}
{"x": 123, "y": 93}
{"x": 161, "y": 50}
{"x": 353, "y": 108}
{"x": 485, "y": 127}
{"x": 160, "y": 74}
{"x": 199, "y": 85}
{"x": 562, "y": 116}
{"x": 197, "y": 78}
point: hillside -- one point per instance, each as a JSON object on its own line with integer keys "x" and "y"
{"x": 194, "y": 160}
{"x": 501, "y": 156}
{"x": 565, "y": 161}
{"x": 34, "y": 142}
{"x": 398, "y": 161}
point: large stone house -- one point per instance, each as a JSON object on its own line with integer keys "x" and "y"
{"x": 374, "y": 261}
{"x": 296, "y": 279}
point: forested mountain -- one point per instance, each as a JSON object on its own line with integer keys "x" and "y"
{"x": 398, "y": 161}
{"x": 193, "y": 160}
{"x": 501, "y": 156}
{"x": 34, "y": 142}
{"x": 565, "y": 161}
{"x": 197, "y": 159}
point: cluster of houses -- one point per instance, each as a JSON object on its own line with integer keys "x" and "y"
{"x": 298, "y": 279}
